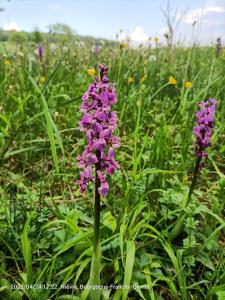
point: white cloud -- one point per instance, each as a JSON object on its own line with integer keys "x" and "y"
{"x": 215, "y": 9}
{"x": 192, "y": 16}
{"x": 11, "y": 26}
{"x": 201, "y": 13}
{"x": 138, "y": 35}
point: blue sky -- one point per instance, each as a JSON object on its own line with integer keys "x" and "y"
{"x": 139, "y": 19}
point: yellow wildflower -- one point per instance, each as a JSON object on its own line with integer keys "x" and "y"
{"x": 188, "y": 84}
{"x": 143, "y": 78}
{"x": 172, "y": 80}
{"x": 125, "y": 45}
{"x": 42, "y": 79}
{"x": 7, "y": 62}
{"x": 91, "y": 72}
{"x": 156, "y": 40}
{"x": 130, "y": 80}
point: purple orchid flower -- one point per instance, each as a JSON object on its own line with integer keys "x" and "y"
{"x": 203, "y": 129}
{"x": 40, "y": 51}
{"x": 98, "y": 122}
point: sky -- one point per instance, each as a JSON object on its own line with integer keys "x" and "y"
{"x": 139, "y": 19}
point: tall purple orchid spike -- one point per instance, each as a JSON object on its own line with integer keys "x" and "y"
{"x": 203, "y": 133}
{"x": 40, "y": 51}
{"x": 98, "y": 122}
{"x": 203, "y": 129}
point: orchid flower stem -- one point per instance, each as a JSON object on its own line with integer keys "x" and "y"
{"x": 97, "y": 203}
{"x": 96, "y": 257}
{"x": 194, "y": 180}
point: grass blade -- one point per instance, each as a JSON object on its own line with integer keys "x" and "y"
{"x": 26, "y": 250}
{"x": 128, "y": 267}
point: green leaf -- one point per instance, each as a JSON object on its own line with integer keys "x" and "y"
{"x": 26, "y": 250}
{"x": 109, "y": 221}
{"x": 68, "y": 297}
{"x": 128, "y": 268}
{"x": 51, "y": 127}
{"x": 221, "y": 295}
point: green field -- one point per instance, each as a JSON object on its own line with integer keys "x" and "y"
{"x": 46, "y": 224}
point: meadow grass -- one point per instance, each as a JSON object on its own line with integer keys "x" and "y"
{"x": 46, "y": 225}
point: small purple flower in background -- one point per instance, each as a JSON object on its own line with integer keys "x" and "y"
{"x": 205, "y": 124}
{"x": 39, "y": 51}
{"x": 96, "y": 49}
{"x": 219, "y": 46}
{"x": 98, "y": 122}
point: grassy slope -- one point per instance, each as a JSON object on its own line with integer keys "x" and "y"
{"x": 39, "y": 142}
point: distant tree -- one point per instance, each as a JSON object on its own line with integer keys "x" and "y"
{"x": 36, "y": 36}
{"x": 60, "y": 28}
{"x": 3, "y": 35}
{"x": 18, "y": 37}
{"x": 62, "y": 32}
